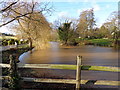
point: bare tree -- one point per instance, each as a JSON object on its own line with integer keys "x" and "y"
{"x": 28, "y": 21}
{"x": 112, "y": 25}
{"x": 86, "y": 23}
{"x": 14, "y": 10}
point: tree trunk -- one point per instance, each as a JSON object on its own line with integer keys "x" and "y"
{"x": 30, "y": 44}
{"x": 115, "y": 40}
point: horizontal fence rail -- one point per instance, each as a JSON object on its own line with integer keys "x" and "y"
{"x": 68, "y": 81}
{"x": 72, "y": 81}
{"x": 63, "y": 66}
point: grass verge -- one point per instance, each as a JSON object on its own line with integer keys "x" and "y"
{"x": 101, "y": 42}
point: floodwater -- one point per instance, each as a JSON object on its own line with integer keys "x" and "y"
{"x": 92, "y": 55}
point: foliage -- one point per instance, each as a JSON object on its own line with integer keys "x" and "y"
{"x": 113, "y": 27}
{"x": 103, "y": 32}
{"x": 6, "y": 42}
{"x": 66, "y": 33}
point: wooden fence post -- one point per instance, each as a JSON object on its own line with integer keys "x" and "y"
{"x": 78, "y": 72}
{"x": 14, "y": 81}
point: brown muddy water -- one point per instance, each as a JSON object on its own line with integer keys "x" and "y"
{"x": 92, "y": 55}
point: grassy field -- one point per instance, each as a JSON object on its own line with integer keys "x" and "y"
{"x": 97, "y": 42}
{"x": 7, "y": 37}
{"x": 101, "y": 42}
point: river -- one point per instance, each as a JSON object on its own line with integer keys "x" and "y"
{"x": 92, "y": 55}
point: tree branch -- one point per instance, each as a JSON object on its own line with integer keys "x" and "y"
{"x": 3, "y": 10}
{"x": 14, "y": 19}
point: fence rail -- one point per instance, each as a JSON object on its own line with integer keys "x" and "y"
{"x": 77, "y": 67}
{"x": 64, "y": 66}
{"x": 72, "y": 81}
{"x": 68, "y": 81}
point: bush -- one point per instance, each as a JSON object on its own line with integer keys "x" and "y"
{"x": 72, "y": 42}
{"x": 9, "y": 42}
{"x": 4, "y": 42}
{"x": 12, "y": 41}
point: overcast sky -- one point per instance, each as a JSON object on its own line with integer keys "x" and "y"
{"x": 73, "y": 8}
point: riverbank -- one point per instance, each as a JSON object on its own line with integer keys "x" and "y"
{"x": 5, "y": 58}
{"x": 16, "y": 51}
{"x": 98, "y": 42}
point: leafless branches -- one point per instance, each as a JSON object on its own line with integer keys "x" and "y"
{"x": 31, "y": 23}
{"x": 15, "y": 10}
{"x": 8, "y": 7}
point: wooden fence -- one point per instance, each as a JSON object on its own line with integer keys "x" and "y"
{"x": 77, "y": 67}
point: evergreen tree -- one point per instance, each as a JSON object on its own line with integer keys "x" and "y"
{"x": 66, "y": 33}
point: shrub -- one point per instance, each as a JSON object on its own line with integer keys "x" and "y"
{"x": 4, "y": 42}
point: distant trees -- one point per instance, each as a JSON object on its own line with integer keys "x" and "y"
{"x": 64, "y": 32}
{"x": 86, "y": 23}
{"x": 67, "y": 33}
{"x": 103, "y": 32}
{"x": 85, "y": 28}
{"x": 29, "y": 21}
{"x": 5, "y": 34}
{"x": 112, "y": 26}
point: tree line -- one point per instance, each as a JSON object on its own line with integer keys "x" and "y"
{"x": 69, "y": 31}
{"x": 28, "y": 20}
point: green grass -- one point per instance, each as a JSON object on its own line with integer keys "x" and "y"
{"x": 7, "y": 37}
{"x": 98, "y": 42}
{"x": 101, "y": 42}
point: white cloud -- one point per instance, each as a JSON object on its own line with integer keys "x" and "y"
{"x": 63, "y": 14}
{"x": 96, "y": 7}
{"x": 78, "y": 11}
{"x": 83, "y": 9}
